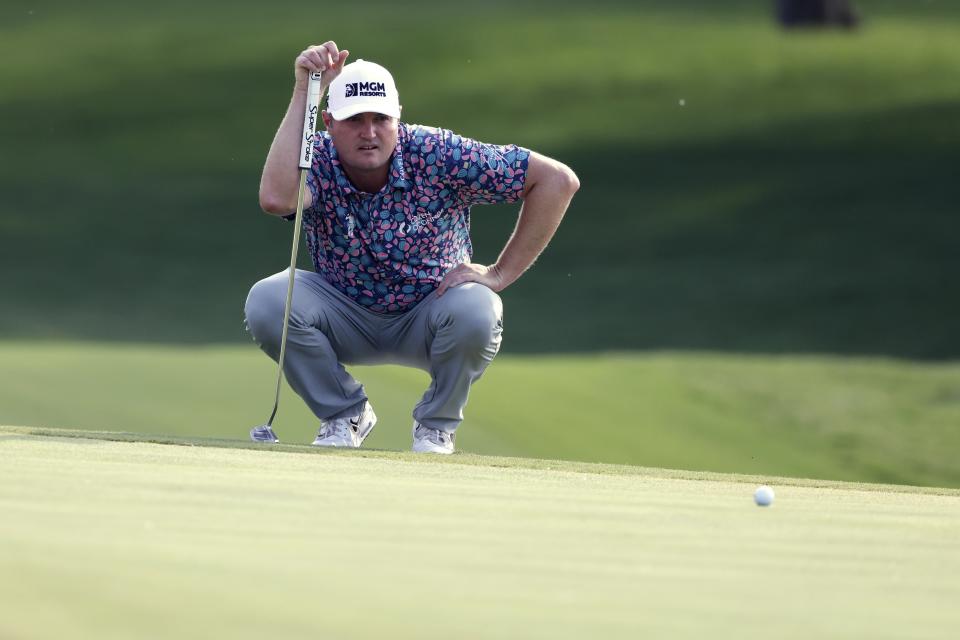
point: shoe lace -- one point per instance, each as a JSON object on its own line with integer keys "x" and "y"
{"x": 433, "y": 435}
{"x": 339, "y": 427}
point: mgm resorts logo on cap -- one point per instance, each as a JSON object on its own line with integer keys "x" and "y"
{"x": 366, "y": 89}
{"x": 363, "y": 86}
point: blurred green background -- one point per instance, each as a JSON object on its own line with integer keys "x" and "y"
{"x": 758, "y": 274}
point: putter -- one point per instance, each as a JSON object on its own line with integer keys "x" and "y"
{"x": 265, "y": 433}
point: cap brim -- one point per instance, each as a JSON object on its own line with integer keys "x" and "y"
{"x": 372, "y": 107}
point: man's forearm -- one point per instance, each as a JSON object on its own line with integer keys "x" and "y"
{"x": 543, "y": 209}
{"x": 279, "y": 183}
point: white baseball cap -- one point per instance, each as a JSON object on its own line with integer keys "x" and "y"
{"x": 363, "y": 86}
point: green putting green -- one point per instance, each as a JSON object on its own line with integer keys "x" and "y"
{"x": 109, "y": 540}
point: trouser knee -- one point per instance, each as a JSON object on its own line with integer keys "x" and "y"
{"x": 263, "y": 312}
{"x": 472, "y": 317}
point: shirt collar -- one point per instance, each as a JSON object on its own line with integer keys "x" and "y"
{"x": 398, "y": 174}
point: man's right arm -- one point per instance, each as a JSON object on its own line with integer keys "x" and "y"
{"x": 279, "y": 184}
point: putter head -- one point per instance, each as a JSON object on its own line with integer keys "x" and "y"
{"x": 263, "y": 433}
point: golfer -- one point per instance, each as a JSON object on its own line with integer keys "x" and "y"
{"x": 387, "y": 224}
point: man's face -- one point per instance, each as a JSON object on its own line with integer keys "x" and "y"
{"x": 365, "y": 141}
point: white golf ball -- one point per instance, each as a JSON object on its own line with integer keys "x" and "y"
{"x": 763, "y": 496}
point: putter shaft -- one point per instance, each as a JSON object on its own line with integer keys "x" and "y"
{"x": 286, "y": 308}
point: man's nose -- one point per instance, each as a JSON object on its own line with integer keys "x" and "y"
{"x": 368, "y": 130}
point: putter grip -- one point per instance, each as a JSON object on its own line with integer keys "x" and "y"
{"x": 310, "y": 120}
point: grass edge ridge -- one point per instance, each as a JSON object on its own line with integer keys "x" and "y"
{"x": 469, "y": 459}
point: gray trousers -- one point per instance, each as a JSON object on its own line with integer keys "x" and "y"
{"x": 453, "y": 337}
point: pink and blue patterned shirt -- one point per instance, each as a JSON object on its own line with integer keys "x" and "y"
{"x": 390, "y": 249}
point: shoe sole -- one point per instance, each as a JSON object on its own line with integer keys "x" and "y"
{"x": 373, "y": 423}
{"x": 431, "y": 449}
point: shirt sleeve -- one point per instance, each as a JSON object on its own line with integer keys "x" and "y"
{"x": 484, "y": 173}
{"x": 315, "y": 180}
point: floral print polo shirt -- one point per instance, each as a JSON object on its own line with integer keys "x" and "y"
{"x": 389, "y": 250}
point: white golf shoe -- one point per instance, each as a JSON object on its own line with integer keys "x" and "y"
{"x": 427, "y": 440}
{"x": 347, "y": 432}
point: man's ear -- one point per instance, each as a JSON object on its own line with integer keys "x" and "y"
{"x": 327, "y": 119}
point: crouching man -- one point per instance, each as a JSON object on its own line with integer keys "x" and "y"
{"x": 387, "y": 223}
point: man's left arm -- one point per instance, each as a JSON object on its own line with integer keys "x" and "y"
{"x": 547, "y": 192}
